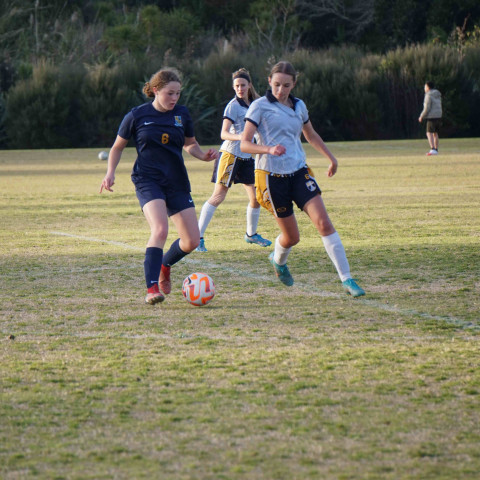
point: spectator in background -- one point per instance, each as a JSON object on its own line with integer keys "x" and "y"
{"x": 432, "y": 113}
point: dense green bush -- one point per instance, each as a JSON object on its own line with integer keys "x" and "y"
{"x": 82, "y": 106}
{"x": 3, "y": 135}
{"x": 68, "y": 106}
{"x": 41, "y": 112}
{"x": 350, "y": 94}
{"x": 106, "y": 94}
{"x": 340, "y": 107}
{"x": 100, "y": 53}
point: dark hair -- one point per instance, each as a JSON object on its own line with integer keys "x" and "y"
{"x": 243, "y": 73}
{"x": 430, "y": 84}
{"x": 284, "y": 67}
{"x": 160, "y": 79}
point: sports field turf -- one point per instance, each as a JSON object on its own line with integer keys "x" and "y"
{"x": 266, "y": 382}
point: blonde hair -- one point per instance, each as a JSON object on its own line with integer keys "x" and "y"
{"x": 160, "y": 79}
{"x": 244, "y": 73}
{"x": 284, "y": 67}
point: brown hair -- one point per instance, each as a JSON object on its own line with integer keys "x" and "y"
{"x": 243, "y": 73}
{"x": 284, "y": 67}
{"x": 160, "y": 79}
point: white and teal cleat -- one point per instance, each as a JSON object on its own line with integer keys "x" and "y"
{"x": 257, "y": 239}
{"x": 352, "y": 288}
{"x": 201, "y": 246}
{"x": 281, "y": 271}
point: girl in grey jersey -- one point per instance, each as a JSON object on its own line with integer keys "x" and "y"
{"x": 282, "y": 176}
{"x": 233, "y": 165}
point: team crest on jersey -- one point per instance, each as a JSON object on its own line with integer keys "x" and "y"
{"x": 311, "y": 185}
{"x": 178, "y": 121}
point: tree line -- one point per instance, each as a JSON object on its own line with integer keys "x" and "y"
{"x": 69, "y": 70}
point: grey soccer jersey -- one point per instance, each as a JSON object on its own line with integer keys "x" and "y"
{"x": 235, "y": 112}
{"x": 278, "y": 124}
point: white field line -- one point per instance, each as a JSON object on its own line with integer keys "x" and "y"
{"x": 458, "y": 322}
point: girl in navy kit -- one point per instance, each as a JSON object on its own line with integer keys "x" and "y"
{"x": 161, "y": 129}
{"x": 282, "y": 176}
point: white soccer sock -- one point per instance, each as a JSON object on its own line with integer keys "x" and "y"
{"x": 205, "y": 216}
{"x": 253, "y": 214}
{"x": 336, "y": 252}
{"x": 281, "y": 253}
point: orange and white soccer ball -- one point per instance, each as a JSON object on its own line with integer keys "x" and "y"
{"x": 198, "y": 289}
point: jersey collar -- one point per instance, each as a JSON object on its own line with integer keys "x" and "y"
{"x": 271, "y": 98}
{"x": 241, "y": 101}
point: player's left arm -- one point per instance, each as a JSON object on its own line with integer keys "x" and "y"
{"x": 315, "y": 140}
{"x": 193, "y": 148}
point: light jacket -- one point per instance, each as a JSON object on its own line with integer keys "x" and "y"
{"x": 432, "y": 105}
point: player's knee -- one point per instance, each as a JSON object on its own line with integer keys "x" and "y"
{"x": 189, "y": 244}
{"x": 296, "y": 240}
{"x": 215, "y": 201}
{"x": 159, "y": 235}
{"x": 325, "y": 227}
{"x": 291, "y": 240}
{"x": 217, "y": 198}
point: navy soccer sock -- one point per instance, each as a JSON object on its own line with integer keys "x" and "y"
{"x": 174, "y": 254}
{"x": 152, "y": 265}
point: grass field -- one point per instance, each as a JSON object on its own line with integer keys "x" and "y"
{"x": 265, "y": 382}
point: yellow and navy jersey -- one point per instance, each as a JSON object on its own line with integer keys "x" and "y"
{"x": 159, "y": 139}
{"x": 235, "y": 112}
{"x": 279, "y": 124}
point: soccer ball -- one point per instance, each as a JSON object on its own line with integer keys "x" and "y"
{"x": 198, "y": 289}
{"x": 103, "y": 156}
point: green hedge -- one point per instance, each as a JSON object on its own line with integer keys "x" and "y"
{"x": 351, "y": 95}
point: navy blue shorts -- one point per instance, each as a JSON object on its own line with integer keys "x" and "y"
{"x": 277, "y": 193}
{"x": 229, "y": 169}
{"x": 148, "y": 190}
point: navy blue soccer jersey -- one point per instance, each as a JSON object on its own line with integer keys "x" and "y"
{"x": 159, "y": 139}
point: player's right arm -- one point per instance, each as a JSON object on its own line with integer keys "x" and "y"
{"x": 113, "y": 160}
{"x": 226, "y": 134}
{"x": 247, "y": 144}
